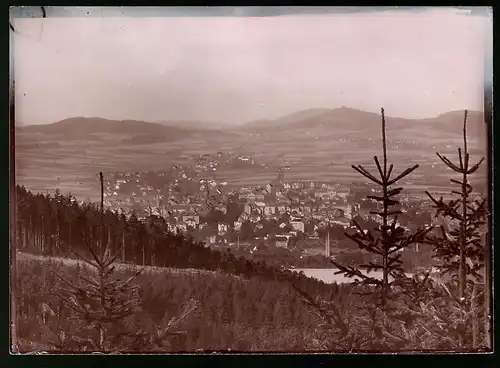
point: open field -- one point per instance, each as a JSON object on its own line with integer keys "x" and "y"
{"x": 46, "y": 161}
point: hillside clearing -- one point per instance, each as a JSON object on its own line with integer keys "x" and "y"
{"x": 21, "y": 256}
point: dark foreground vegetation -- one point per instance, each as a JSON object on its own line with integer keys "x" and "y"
{"x": 230, "y": 312}
{"x": 124, "y": 293}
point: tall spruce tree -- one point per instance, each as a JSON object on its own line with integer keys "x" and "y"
{"x": 386, "y": 242}
{"x": 461, "y": 246}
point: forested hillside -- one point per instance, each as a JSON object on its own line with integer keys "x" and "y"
{"x": 257, "y": 310}
{"x": 57, "y": 225}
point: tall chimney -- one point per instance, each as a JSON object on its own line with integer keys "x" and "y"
{"x": 327, "y": 244}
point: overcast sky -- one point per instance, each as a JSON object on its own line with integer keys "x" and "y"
{"x": 236, "y": 69}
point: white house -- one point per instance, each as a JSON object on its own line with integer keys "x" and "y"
{"x": 180, "y": 228}
{"x": 338, "y": 212}
{"x": 297, "y": 225}
{"x": 255, "y": 218}
{"x": 222, "y": 228}
{"x": 191, "y": 220}
{"x": 342, "y": 221}
{"x": 269, "y": 210}
{"x": 244, "y": 217}
{"x": 247, "y": 208}
{"x": 281, "y": 242}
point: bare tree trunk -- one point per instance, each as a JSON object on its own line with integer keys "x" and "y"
{"x": 463, "y": 221}
{"x": 108, "y": 249}
{"x": 101, "y": 238}
{"x": 385, "y": 214}
{"x": 31, "y": 238}
{"x": 56, "y": 248}
{"x": 25, "y": 237}
{"x": 123, "y": 246}
{"x": 42, "y": 245}
{"x": 462, "y": 276}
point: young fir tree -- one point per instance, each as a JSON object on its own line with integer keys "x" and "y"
{"x": 460, "y": 247}
{"x": 102, "y": 305}
{"x": 389, "y": 239}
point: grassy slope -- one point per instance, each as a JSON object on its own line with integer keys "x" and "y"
{"x": 69, "y": 262}
{"x": 236, "y": 314}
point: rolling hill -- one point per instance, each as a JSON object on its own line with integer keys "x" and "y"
{"x": 285, "y": 120}
{"x": 327, "y": 120}
{"x": 452, "y": 122}
{"x": 129, "y": 132}
{"x": 345, "y": 118}
{"x": 92, "y": 125}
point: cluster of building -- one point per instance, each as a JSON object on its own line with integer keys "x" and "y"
{"x": 218, "y": 214}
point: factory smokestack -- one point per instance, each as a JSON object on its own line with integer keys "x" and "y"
{"x": 327, "y": 244}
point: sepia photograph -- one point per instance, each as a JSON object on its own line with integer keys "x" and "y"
{"x": 236, "y": 180}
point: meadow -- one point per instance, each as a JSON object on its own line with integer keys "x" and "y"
{"x": 70, "y": 165}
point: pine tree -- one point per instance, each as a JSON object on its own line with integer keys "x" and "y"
{"x": 460, "y": 246}
{"x": 101, "y": 304}
{"x": 390, "y": 238}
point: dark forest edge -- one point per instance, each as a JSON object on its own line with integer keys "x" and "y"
{"x": 53, "y": 225}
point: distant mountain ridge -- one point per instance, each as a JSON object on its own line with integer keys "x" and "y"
{"x": 89, "y": 125}
{"x": 287, "y": 119}
{"x": 344, "y": 118}
{"x": 138, "y": 132}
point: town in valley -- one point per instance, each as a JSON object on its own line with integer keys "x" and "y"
{"x": 280, "y": 214}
